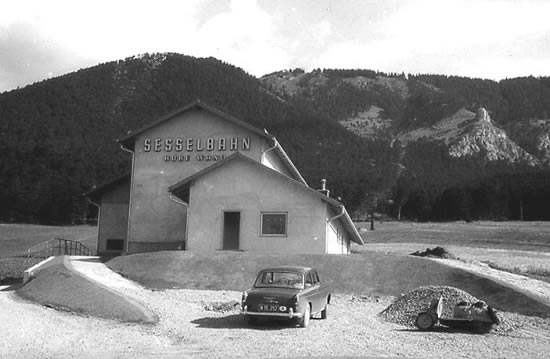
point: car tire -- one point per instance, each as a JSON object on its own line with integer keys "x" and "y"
{"x": 424, "y": 321}
{"x": 306, "y": 318}
{"x": 324, "y": 312}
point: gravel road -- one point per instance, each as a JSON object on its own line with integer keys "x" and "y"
{"x": 188, "y": 327}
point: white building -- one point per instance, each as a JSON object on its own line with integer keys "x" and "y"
{"x": 203, "y": 181}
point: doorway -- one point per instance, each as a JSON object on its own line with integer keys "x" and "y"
{"x": 231, "y": 230}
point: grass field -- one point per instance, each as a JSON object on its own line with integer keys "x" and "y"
{"x": 519, "y": 247}
{"x": 382, "y": 266}
{"x": 15, "y": 239}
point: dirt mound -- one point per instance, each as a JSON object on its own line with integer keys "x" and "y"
{"x": 405, "y": 308}
{"x": 57, "y": 285}
{"x": 437, "y": 252}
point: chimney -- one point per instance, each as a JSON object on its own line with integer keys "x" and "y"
{"x": 323, "y": 189}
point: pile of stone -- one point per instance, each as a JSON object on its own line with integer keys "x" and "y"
{"x": 405, "y": 308}
{"x": 223, "y": 307}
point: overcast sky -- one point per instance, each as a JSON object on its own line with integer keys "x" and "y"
{"x": 476, "y": 38}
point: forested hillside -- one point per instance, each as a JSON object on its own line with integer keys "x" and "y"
{"x": 57, "y": 137}
{"x": 437, "y": 176}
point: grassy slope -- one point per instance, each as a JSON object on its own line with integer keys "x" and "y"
{"x": 380, "y": 267}
{"x": 365, "y": 273}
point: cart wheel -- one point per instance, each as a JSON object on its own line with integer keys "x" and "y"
{"x": 493, "y": 315}
{"x": 424, "y": 321}
{"x": 324, "y": 312}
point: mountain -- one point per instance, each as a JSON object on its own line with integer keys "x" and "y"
{"x": 400, "y": 144}
{"x": 467, "y": 134}
{"x": 431, "y": 108}
{"x": 461, "y": 147}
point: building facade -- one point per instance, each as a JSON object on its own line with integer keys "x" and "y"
{"x": 202, "y": 180}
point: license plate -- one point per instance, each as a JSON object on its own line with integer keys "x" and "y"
{"x": 268, "y": 308}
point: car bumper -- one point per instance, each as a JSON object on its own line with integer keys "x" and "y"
{"x": 290, "y": 314}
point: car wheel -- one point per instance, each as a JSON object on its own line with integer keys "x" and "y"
{"x": 306, "y": 318}
{"x": 324, "y": 312}
{"x": 424, "y": 321}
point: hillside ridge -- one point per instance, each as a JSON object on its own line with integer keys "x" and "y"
{"x": 57, "y": 137}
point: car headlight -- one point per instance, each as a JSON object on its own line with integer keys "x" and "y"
{"x": 282, "y": 308}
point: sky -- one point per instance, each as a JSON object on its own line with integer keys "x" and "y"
{"x": 490, "y": 39}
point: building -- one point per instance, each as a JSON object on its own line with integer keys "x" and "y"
{"x": 204, "y": 181}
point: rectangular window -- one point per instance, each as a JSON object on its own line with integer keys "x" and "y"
{"x": 115, "y": 244}
{"x": 274, "y": 224}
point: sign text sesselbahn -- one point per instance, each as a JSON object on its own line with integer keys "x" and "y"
{"x": 198, "y": 148}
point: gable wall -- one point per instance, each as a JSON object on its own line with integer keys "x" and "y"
{"x": 113, "y": 216}
{"x": 157, "y": 222}
{"x": 250, "y": 190}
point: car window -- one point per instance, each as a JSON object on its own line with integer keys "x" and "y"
{"x": 280, "y": 279}
{"x": 309, "y": 279}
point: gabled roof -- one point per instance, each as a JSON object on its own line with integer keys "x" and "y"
{"x": 97, "y": 192}
{"x": 181, "y": 187}
{"x": 128, "y": 141}
{"x": 129, "y": 138}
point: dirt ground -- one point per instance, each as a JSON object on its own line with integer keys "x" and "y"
{"x": 187, "y": 328}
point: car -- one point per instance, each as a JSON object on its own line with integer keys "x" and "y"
{"x": 287, "y": 292}
{"x": 478, "y": 317}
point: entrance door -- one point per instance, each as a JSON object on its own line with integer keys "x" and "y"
{"x": 231, "y": 229}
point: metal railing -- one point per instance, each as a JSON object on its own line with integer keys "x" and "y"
{"x": 58, "y": 247}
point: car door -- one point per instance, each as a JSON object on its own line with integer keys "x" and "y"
{"x": 322, "y": 292}
{"x": 315, "y": 297}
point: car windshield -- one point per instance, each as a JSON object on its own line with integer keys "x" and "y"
{"x": 280, "y": 279}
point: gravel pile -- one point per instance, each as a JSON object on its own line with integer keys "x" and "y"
{"x": 405, "y": 308}
{"x": 222, "y": 307}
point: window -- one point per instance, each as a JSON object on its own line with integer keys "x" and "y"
{"x": 115, "y": 244}
{"x": 280, "y": 279}
{"x": 274, "y": 224}
{"x": 311, "y": 279}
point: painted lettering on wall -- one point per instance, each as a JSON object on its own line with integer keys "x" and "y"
{"x": 198, "y": 157}
{"x": 196, "y": 144}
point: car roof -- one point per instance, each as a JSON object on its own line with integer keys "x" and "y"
{"x": 297, "y": 269}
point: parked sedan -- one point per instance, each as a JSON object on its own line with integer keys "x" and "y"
{"x": 293, "y": 293}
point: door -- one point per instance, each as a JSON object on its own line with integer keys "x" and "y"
{"x": 231, "y": 230}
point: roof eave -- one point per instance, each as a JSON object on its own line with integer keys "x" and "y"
{"x": 288, "y": 162}
{"x": 355, "y": 236}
